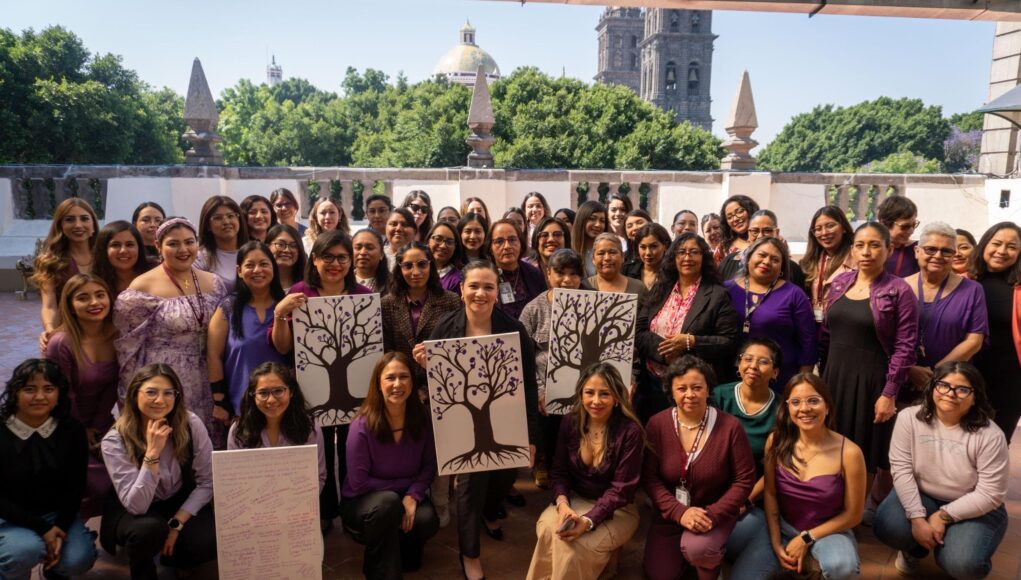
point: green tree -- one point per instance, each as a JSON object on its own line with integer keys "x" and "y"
{"x": 966, "y": 122}
{"x": 902, "y": 162}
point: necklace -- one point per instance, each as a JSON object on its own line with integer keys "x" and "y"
{"x": 691, "y": 427}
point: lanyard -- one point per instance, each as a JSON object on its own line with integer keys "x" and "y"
{"x": 685, "y": 469}
{"x": 820, "y": 279}
{"x": 749, "y": 308}
{"x": 200, "y": 315}
{"x": 900, "y": 259}
{"x": 923, "y": 312}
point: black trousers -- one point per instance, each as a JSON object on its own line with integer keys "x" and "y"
{"x": 477, "y": 494}
{"x": 375, "y": 519}
{"x": 335, "y": 449}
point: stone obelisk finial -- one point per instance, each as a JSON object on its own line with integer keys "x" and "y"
{"x": 740, "y": 124}
{"x": 201, "y": 116}
{"x": 481, "y": 121}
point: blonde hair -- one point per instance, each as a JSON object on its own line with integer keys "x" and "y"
{"x": 69, "y": 321}
{"x": 130, "y": 423}
{"x": 54, "y": 258}
{"x": 314, "y": 229}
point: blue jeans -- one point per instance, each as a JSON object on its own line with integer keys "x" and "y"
{"x": 749, "y": 526}
{"x": 21, "y": 549}
{"x": 968, "y": 545}
{"x": 837, "y": 555}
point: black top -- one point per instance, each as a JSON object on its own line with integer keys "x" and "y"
{"x": 453, "y": 326}
{"x": 1000, "y": 304}
{"x": 730, "y": 268}
{"x": 40, "y": 476}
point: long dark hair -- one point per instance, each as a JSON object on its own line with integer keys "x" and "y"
{"x": 786, "y": 433}
{"x": 457, "y": 257}
{"x": 243, "y": 294}
{"x": 482, "y": 221}
{"x": 981, "y": 413}
{"x": 584, "y": 213}
{"x": 730, "y": 235}
{"x": 130, "y": 423}
{"x": 785, "y": 259}
{"x": 323, "y": 243}
{"x": 815, "y": 251}
{"x": 382, "y": 275}
{"x": 427, "y": 223}
{"x": 206, "y": 238}
{"x": 298, "y": 269}
{"x": 399, "y": 286}
{"x": 248, "y": 202}
{"x": 668, "y": 273}
{"x": 374, "y": 407}
{"x": 143, "y": 205}
{"x": 295, "y": 425}
{"x": 622, "y": 410}
{"x": 534, "y": 242}
{"x": 101, "y": 265}
{"x": 24, "y": 373}
{"x": 978, "y": 261}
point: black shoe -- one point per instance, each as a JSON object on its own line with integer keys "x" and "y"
{"x": 496, "y": 534}
{"x": 516, "y": 500}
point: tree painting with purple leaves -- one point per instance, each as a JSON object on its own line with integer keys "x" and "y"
{"x": 477, "y": 402}
{"x": 337, "y": 341}
{"x": 587, "y": 328}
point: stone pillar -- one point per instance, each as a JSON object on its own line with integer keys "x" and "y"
{"x": 741, "y": 123}
{"x": 201, "y": 116}
{"x": 999, "y": 137}
{"x": 481, "y": 121}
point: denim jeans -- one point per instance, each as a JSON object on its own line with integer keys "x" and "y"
{"x": 21, "y": 550}
{"x": 837, "y": 555}
{"x": 968, "y": 545}
{"x": 750, "y": 525}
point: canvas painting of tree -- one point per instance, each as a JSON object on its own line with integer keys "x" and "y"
{"x": 477, "y": 401}
{"x": 337, "y": 341}
{"x": 586, "y": 328}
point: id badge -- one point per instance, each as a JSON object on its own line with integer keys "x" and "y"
{"x": 506, "y": 293}
{"x": 817, "y": 311}
{"x": 747, "y": 327}
{"x": 682, "y": 495}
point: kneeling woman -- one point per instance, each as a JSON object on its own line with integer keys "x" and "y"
{"x": 43, "y": 454}
{"x": 160, "y": 460}
{"x": 274, "y": 414}
{"x": 595, "y": 475}
{"x": 950, "y": 472}
{"x": 391, "y": 462}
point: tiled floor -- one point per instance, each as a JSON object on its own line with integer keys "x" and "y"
{"x": 507, "y": 559}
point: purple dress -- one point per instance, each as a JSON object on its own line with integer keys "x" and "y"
{"x": 243, "y": 353}
{"x": 167, "y": 330}
{"x": 943, "y": 325}
{"x": 451, "y": 280}
{"x": 785, "y": 316}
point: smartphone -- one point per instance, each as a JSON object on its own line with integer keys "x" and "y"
{"x": 568, "y": 524}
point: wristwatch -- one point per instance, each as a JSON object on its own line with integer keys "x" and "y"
{"x": 807, "y": 538}
{"x": 945, "y": 517}
{"x": 175, "y": 524}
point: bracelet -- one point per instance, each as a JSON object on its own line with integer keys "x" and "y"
{"x": 687, "y": 342}
{"x": 591, "y": 524}
{"x": 279, "y": 317}
{"x": 150, "y": 460}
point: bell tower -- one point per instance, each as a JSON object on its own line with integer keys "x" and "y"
{"x": 677, "y": 62}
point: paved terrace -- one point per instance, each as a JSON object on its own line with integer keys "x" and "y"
{"x": 507, "y": 559}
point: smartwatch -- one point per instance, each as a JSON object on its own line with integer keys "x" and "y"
{"x": 175, "y": 524}
{"x": 807, "y": 538}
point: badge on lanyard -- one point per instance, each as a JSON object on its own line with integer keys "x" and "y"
{"x": 506, "y": 293}
{"x": 817, "y": 311}
{"x": 683, "y": 496}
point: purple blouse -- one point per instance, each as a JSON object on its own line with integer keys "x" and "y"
{"x": 93, "y": 385}
{"x": 406, "y": 467}
{"x": 451, "y": 280}
{"x": 137, "y": 487}
{"x": 242, "y": 354}
{"x": 943, "y": 325}
{"x": 314, "y": 438}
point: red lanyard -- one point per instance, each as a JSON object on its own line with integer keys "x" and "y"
{"x": 200, "y": 315}
{"x": 694, "y": 446}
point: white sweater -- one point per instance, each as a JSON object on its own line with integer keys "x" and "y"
{"x": 968, "y": 470}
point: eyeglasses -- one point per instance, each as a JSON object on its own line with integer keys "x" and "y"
{"x": 761, "y": 231}
{"x": 809, "y": 401}
{"x": 416, "y": 208}
{"x": 153, "y": 394}
{"x": 442, "y": 241}
{"x": 557, "y": 235}
{"x": 500, "y": 242}
{"x": 284, "y": 246}
{"x": 945, "y": 252}
{"x": 276, "y": 392}
{"x": 736, "y": 213}
{"x": 225, "y": 217}
{"x": 906, "y": 225}
{"x": 338, "y": 258}
{"x": 827, "y": 227}
{"x": 689, "y": 253}
{"x": 419, "y": 265}
{"x": 378, "y": 211}
{"x": 945, "y": 388}
{"x": 752, "y": 359}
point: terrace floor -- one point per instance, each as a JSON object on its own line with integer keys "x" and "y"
{"x": 509, "y": 558}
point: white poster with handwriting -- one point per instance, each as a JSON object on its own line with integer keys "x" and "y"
{"x": 267, "y": 513}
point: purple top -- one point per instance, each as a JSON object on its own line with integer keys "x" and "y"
{"x": 902, "y": 262}
{"x": 613, "y": 482}
{"x": 415, "y": 308}
{"x": 785, "y": 316}
{"x": 943, "y": 325}
{"x": 314, "y": 438}
{"x": 528, "y": 282}
{"x": 137, "y": 487}
{"x": 93, "y": 385}
{"x": 407, "y": 467}
{"x": 451, "y": 280}
{"x": 314, "y": 292}
{"x": 806, "y": 504}
{"x": 242, "y": 354}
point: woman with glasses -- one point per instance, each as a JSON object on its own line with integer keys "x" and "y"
{"x": 421, "y": 207}
{"x": 274, "y": 413}
{"x": 285, "y": 206}
{"x": 258, "y": 214}
{"x": 698, "y": 474}
{"x": 237, "y": 333}
{"x": 400, "y": 231}
{"x": 900, "y": 215}
{"x": 288, "y": 253}
{"x": 737, "y": 213}
{"x": 815, "y": 491}
{"x": 147, "y": 219}
{"x": 769, "y": 304}
{"x": 221, "y": 233}
{"x": 328, "y": 273}
{"x": 520, "y": 281}
{"x": 548, "y": 236}
{"x": 536, "y": 209}
{"x": 164, "y": 317}
{"x": 952, "y": 317}
{"x": 370, "y": 264}
{"x": 687, "y": 312}
{"x": 160, "y": 460}
{"x": 950, "y": 473}
{"x": 590, "y": 222}
{"x": 445, "y": 246}
{"x": 965, "y": 246}
{"x": 472, "y": 230}
{"x": 391, "y": 461}
{"x": 377, "y": 211}
{"x": 44, "y": 453}
{"x": 828, "y": 255}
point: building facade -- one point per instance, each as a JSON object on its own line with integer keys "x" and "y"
{"x": 461, "y": 63}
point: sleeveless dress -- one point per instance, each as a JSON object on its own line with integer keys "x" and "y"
{"x": 243, "y": 353}
{"x": 856, "y": 373}
{"x": 806, "y": 504}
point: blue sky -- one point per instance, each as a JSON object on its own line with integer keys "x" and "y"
{"x": 795, "y": 62}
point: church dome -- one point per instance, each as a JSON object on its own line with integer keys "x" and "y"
{"x": 461, "y": 63}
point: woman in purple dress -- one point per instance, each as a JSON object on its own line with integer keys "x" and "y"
{"x": 768, "y": 304}
{"x": 164, "y": 317}
{"x": 445, "y": 245}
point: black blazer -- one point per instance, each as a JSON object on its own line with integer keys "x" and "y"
{"x": 453, "y": 326}
{"x": 397, "y": 333}
{"x": 712, "y": 320}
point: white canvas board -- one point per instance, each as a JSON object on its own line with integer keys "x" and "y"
{"x": 477, "y": 402}
{"x": 337, "y": 342}
{"x": 267, "y": 513}
{"x": 586, "y": 328}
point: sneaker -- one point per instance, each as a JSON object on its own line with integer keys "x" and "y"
{"x": 443, "y": 513}
{"x": 906, "y": 565}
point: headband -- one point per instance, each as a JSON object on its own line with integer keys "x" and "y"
{"x": 173, "y": 223}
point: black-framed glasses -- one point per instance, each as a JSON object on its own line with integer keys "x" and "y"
{"x": 420, "y": 265}
{"x": 740, "y": 211}
{"x": 418, "y": 208}
{"x": 442, "y": 241}
{"x": 960, "y": 391}
{"x": 945, "y": 252}
{"x": 556, "y": 235}
{"x": 761, "y": 231}
{"x": 284, "y": 246}
{"x": 689, "y": 252}
{"x": 276, "y": 392}
{"x": 338, "y": 258}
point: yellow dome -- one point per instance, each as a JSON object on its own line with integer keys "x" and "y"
{"x": 462, "y": 62}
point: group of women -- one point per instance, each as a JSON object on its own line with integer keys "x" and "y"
{"x": 183, "y": 332}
